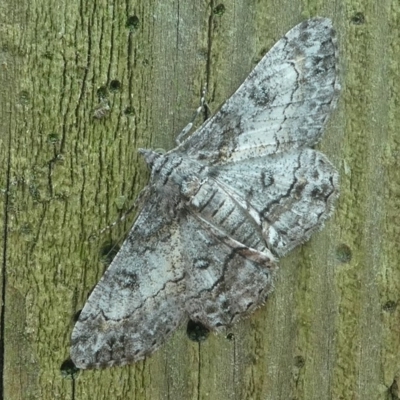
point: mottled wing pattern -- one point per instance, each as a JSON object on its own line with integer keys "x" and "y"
{"x": 139, "y": 300}
{"x": 283, "y": 103}
{"x": 225, "y": 279}
{"x": 289, "y": 195}
{"x": 240, "y": 192}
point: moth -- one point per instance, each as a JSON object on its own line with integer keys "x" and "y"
{"x": 222, "y": 207}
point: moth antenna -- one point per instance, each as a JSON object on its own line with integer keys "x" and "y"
{"x": 203, "y": 108}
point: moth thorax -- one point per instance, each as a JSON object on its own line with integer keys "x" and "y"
{"x": 190, "y": 186}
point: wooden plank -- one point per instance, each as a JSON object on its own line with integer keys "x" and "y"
{"x": 330, "y": 329}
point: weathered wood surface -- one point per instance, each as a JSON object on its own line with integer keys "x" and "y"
{"x": 331, "y": 329}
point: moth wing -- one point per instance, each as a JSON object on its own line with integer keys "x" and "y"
{"x": 225, "y": 280}
{"x": 289, "y": 195}
{"x": 139, "y": 300}
{"x": 282, "y": 104}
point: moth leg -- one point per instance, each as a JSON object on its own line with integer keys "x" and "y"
{"x": 137, "y": 204}
{"x": 202, "y": 108}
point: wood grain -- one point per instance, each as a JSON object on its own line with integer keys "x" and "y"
{"x": 331, "y": 329}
